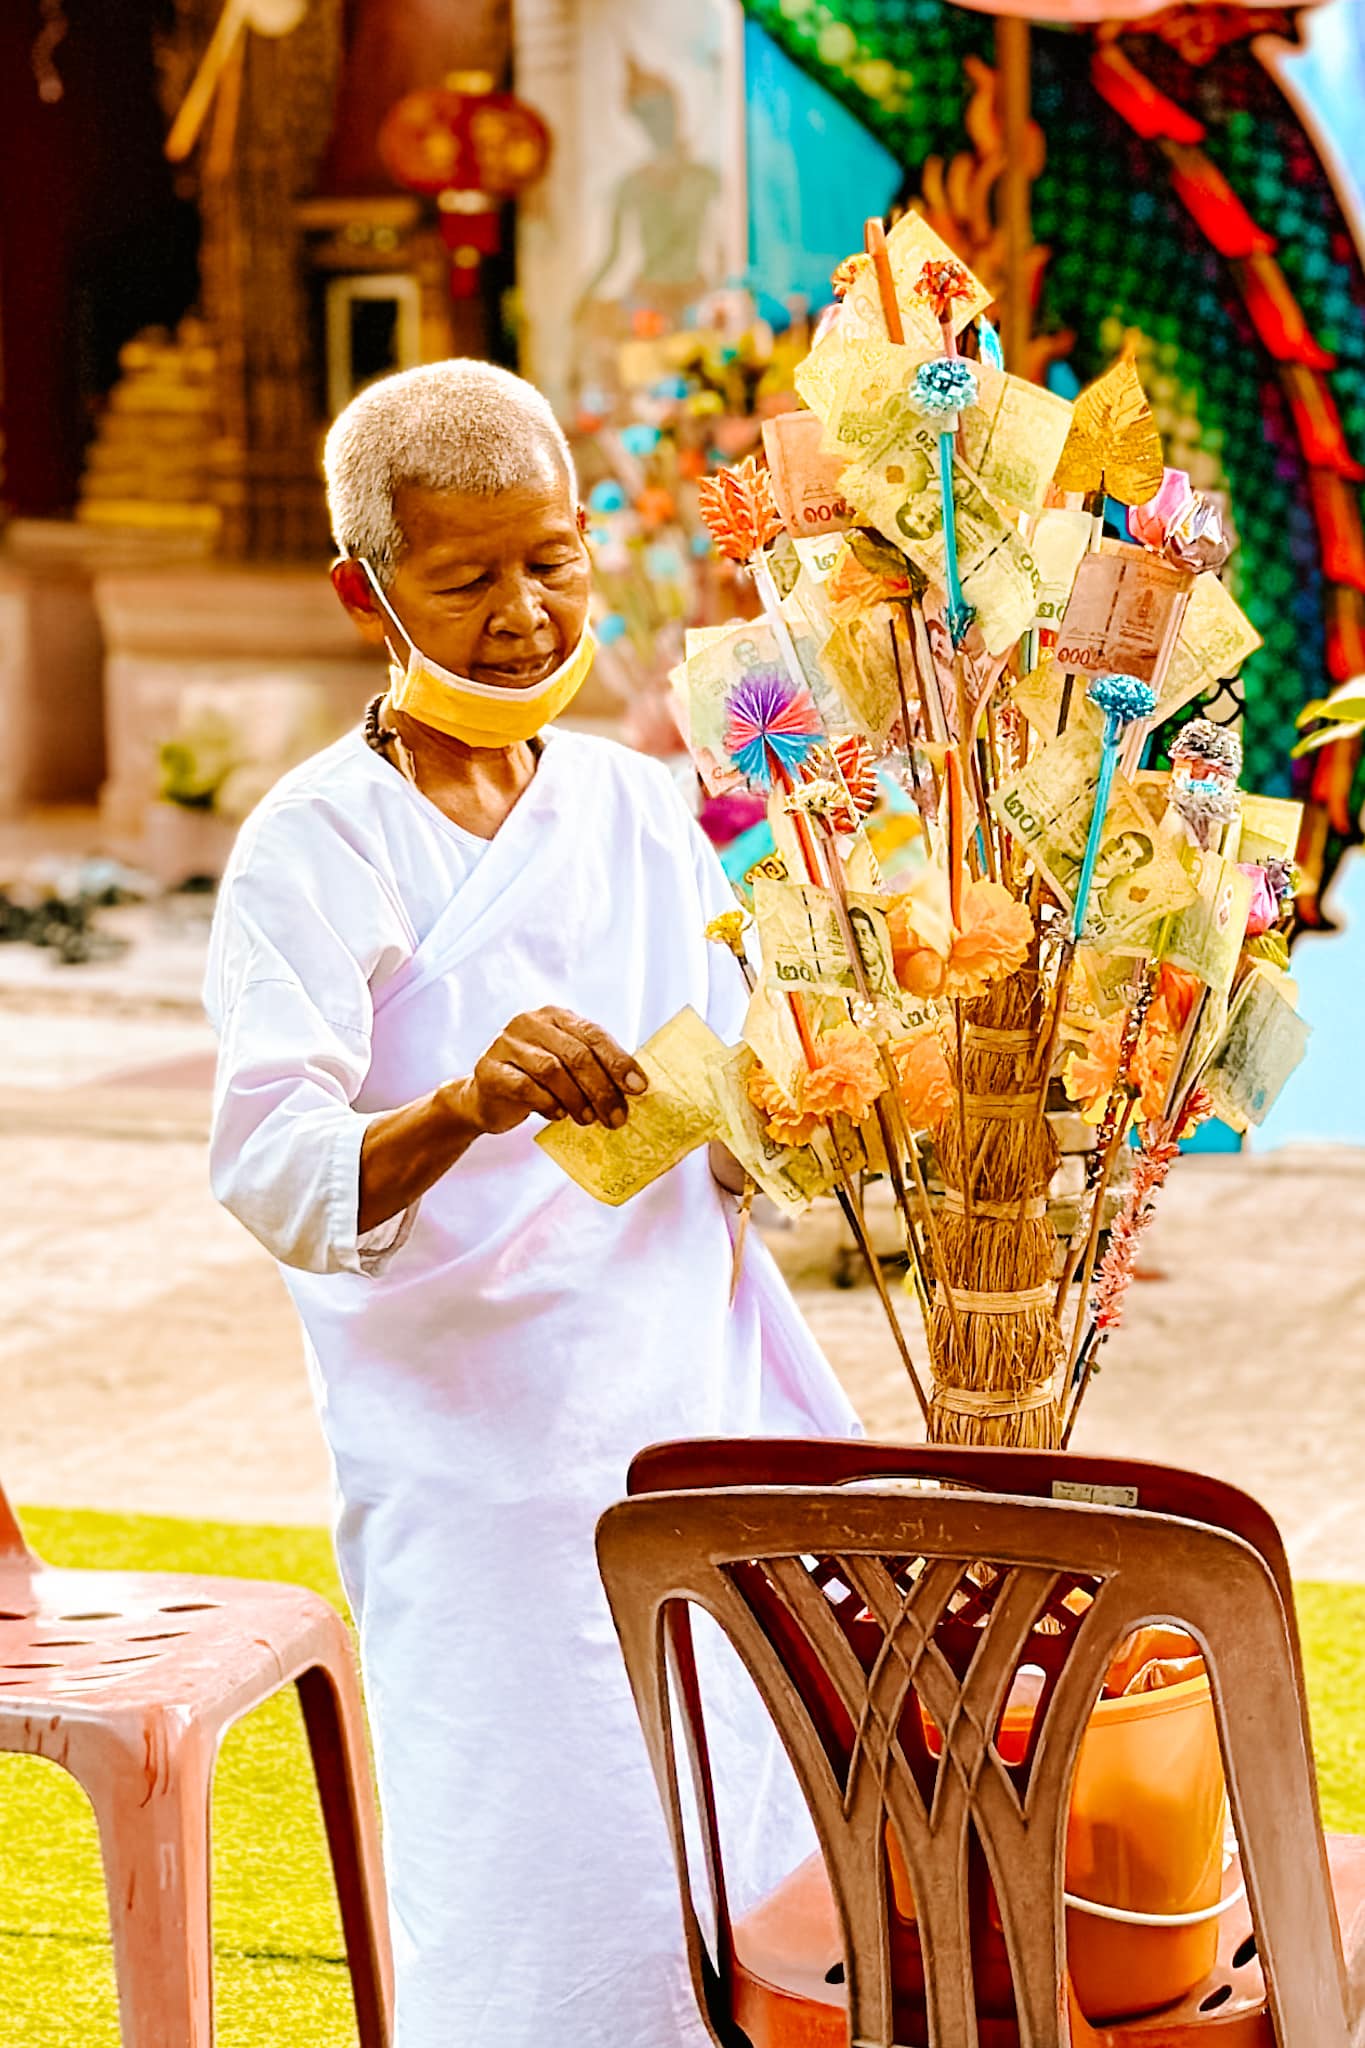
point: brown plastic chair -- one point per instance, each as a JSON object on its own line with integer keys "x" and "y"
{"x": 688, "y": 1462}
{"x": 129, "y": 1681}
{"x": 857, "y": 1612}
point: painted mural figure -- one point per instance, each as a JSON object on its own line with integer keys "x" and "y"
{"x": 666, "y": 205}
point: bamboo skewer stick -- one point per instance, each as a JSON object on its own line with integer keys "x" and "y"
{"x": 746, "y": 1210}
{"x": 1089, "y": 1354}
{"x": 907, "y": 723}
{"x": 896, "y": 1137}
{"x": 1092, "y": 1236}
{"x": 908, "y": 729}
{"x": 851, "y": 1203}
{"x": 874, "y": 241}
{"x": 968, "y": 1163}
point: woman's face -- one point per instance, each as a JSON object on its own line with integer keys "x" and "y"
{"x": 492, "y": 588}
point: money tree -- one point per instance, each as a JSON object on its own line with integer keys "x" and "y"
{"x": 972, "y": 904}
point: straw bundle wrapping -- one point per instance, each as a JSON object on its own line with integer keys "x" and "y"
{"x": 996, "y": 1242}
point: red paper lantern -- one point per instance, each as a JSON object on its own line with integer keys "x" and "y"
{"x": 472, "y": 149}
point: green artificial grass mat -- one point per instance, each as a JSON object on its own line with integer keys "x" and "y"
{"x": 279, "y": 1970}
{"x": 280, "y": 1976}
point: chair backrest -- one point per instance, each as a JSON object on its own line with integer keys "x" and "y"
{"x": 884, "y": 1631}
{"x": 1039, "y": 1474}
{"x": 13, "y": 1549}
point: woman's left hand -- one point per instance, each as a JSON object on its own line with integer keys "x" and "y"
{"x": 726, "y": 1169}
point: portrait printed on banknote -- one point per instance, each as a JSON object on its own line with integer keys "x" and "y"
{"x": 1138, "y": 881}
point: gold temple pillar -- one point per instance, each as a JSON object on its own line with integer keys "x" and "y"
{"x": 254, "y": 302}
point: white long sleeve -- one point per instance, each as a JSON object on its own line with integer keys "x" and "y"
{"x": 303, "y": 925}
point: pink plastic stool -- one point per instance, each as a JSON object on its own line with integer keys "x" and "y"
{"x": 129, "y": 1681}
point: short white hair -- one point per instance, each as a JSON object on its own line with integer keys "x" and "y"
{"x": 460, "y": 425}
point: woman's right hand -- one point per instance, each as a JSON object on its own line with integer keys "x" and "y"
{"x": 553, "y": 1064}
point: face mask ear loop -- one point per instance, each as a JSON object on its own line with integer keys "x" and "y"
{"x": 390, "y": 613}
{"x": 407, "y": 767}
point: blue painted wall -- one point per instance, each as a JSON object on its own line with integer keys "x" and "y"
{"x": 814, "y": 175}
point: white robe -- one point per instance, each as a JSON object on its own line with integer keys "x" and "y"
{"x": 487, "y": 1364}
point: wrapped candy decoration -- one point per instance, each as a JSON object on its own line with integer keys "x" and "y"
{"x": 1150, "y": 523}
{"x": 1182, "y": 524}
{"x": 1199, "y": 539}
{"x": 1206, "y": 760}
{"x": 1264, "y": 913}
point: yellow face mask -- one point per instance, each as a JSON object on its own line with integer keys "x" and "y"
{"x": 480, "y": 714}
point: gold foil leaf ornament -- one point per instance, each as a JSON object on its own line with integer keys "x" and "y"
{"x": 1113, "y": 445}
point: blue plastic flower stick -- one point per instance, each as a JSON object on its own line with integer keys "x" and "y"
{"x": 943, "y": 386}
{"x": 959, "y": 618}
{"x": 1123, "y": 699}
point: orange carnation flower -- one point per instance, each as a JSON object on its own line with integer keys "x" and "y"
{"x": 1176, "y": 993}
{"x": 995, "y": 935}
{"x": 924, "y": 1081}
{"x": 1153, "y": 1064}
{"x": 921, "y": 929}
{"x": 1089, "y": 1076}
{"x": 847, "y": 1077}
{"x": 783, "y": 1121}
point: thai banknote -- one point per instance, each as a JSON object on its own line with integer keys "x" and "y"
{"x": 1038, "y": 695}
{"x": 856, "y": 654}
{"x": 817, "y": 558}
{"x": 1153, "y": 787}
{"x": 861, "y": 654}
{"x": 770, "y": 1033}
{"x": 807, "y": 602}
{"x": 1269, "y": 828}
{"x": 1009, "y": 438}
{"x": 1124, "y": 614}
{"x": 1012, "y": 437}
{"x": 805, "y": 479}
{"x": 1206, "y": 936}
{"x": 1099, "y": 985}
{"x": 1058, "y": 539}
{"x": 860, "y": 390}
{"x": 1263, "y": 1042}
{"x": 1138, "y": 880}
{"x": 1215, "y": 638}
{"x": 790, "y": 1175}
{"x": 802, "y": 941}
{"x": 899, "y": 494}
{"x": 817, "y": 374}
{"x": 1211, "y": 1021}
{"x": 677, "y": 1114}
{"x": 718, "y": 660}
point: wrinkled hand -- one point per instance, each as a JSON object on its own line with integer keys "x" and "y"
{"x": 551, "y": 1063}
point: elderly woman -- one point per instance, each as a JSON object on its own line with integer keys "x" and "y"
{"x": 432, "y": 937}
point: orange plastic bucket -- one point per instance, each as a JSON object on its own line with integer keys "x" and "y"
{"x": 1144, "y": 1838}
